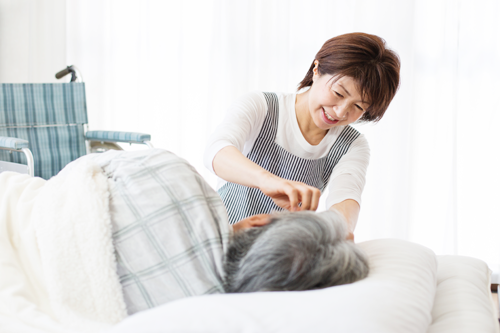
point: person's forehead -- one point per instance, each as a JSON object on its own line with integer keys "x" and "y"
{"x": 348, "y": 84}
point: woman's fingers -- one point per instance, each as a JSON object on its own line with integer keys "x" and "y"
{"x": 315, "y": 199}
{"x": 293, "y": 197}
{"x": 306, "y": 195}
{"x": 289, "y": 194}
{"x": 309, "y": 197}
{"x": 306, "y": 198}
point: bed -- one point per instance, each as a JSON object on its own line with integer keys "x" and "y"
{"x": 409, "y": 288}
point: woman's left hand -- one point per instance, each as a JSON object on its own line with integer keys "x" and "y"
{"x": 252, "y": 221}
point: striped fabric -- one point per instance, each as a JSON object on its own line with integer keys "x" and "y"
{"x": 52, "y": 147}
{"x": 36, "y": 104}
{"x": 13, "y": 143}
{"x": 113, "y": 136}
{"x": 170, "y": 227}
{"x": 242, "y": 201}
{"x": 51, "y": 116}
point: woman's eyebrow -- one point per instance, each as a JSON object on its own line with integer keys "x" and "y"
{"x": 344, "y": 89}
{"x": 365, "y": 102}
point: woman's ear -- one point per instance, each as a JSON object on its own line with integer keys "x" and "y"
{"x": 315, "y": 70}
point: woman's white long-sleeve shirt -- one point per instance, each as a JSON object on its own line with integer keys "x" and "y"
{"x": 242, "y": 125}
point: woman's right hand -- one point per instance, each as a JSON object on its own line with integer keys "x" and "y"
{"x": 232, "y": 166}
{"x": 288, "y": 194}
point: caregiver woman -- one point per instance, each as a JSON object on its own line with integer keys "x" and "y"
{"x": 278, "y": 151}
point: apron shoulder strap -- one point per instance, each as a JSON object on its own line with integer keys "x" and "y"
{"x": 339, "y": 149}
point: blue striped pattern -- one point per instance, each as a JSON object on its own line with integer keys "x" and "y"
{"x": 51, "y": 116}
{"x": 242, "y": 201}
{"x": 36, "y": 104}
{"x": 12, "y": 143}
{"x": 52, "y": 147}
{"x": 113, "y": 136}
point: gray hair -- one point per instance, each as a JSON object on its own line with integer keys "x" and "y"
{"x": 295, "y": 251}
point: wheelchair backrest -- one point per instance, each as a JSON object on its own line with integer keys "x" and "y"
{"x": 51, "y": 116}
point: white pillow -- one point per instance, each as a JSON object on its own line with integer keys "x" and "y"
{"x": 397, "y": 296}
{"x": 463, "y": 301}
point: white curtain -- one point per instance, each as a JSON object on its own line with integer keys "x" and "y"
{"x": 32, "y": 40}
{"x": 171, "y": 68}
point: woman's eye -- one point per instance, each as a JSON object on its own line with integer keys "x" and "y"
{"x": 359, "y": 107}
{"x": 338, "y": 94}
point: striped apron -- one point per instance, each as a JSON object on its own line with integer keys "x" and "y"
{"x": 242, "y": 201}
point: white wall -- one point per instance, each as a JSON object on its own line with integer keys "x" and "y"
{"x": 32, "y": 40}
{"x": 171, "y": 68}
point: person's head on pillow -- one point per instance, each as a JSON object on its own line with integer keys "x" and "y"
{"x": 294, "y": 251}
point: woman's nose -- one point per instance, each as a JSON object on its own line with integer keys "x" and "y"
{"x": 341, "y": 111}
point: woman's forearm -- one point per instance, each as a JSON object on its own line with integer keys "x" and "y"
{"x": 232, "y": 166}
{"x": 350, "y": 210}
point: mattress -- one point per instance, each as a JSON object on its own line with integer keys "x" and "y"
{"x": 409, "y": 289}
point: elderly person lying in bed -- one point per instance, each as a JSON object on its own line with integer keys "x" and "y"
{"x": 172, "y": 238}
{"x": 295, "y": 251}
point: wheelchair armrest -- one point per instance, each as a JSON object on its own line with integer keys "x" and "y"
{"x": 113, "y": 136}
{"x": 21, "y": 146}
{"x": 13, "y": 143}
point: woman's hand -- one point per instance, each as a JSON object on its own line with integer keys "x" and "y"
{"x": 231, "y": 165}
{"x": 289, "y": 194}
{"x": 252, "y": 221}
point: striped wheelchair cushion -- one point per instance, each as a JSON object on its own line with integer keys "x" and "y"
{"x": 51, "y": 116}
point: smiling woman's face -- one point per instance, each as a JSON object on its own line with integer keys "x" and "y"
{"x": 335, "y": 102}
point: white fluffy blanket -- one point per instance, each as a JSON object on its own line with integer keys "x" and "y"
{"x": 57, "y": 264}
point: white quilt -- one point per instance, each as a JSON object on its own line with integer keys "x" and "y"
{"x": 57, "y": 265}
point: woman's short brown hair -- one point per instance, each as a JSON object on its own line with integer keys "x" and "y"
{"x": 366, "y": 59}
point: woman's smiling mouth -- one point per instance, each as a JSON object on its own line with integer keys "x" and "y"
{"x": 327, "y": 118}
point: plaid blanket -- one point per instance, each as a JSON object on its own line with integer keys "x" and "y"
{"x": 170, "y": 229}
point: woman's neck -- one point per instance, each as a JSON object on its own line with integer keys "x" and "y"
{"x": 312, "y": 133}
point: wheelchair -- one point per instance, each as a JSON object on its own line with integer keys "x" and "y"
{"x": 44, "y": 126}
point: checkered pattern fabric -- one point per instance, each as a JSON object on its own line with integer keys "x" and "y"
{"x": 170, "y": 228}
{"x": 51, "y": 117}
